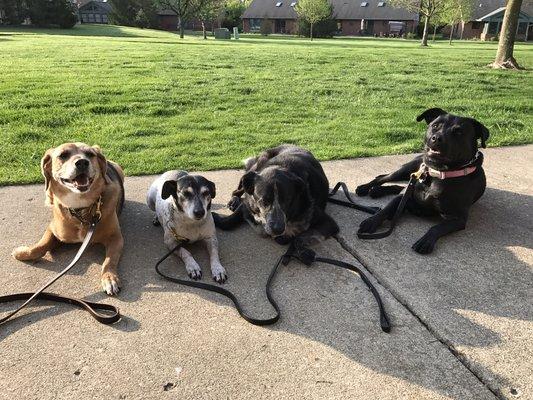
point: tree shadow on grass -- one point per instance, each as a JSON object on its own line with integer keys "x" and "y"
{"x": 78, "y": 30}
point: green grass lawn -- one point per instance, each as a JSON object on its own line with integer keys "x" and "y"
{"x": 154, "y": 102}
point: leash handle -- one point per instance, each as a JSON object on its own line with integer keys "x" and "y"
{"x": 397, "y": 214}
{"x": 227, "y": 293}
{"x": 351, "y": 203}
{"x": 89, "y": 306}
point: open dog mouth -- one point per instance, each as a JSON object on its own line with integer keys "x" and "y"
{"x": 82, "y": 182}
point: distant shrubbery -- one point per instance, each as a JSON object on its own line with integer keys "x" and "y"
{"x": 43, "y": 13}
{"x": 323, "y": 29}
{"x": 139, "y": 13}
{"x": 47, "y": 13}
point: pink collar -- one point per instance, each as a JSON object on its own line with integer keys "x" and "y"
{"x": 435, "y": 173}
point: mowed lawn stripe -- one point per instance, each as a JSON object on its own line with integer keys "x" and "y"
{"x": 154, "y": 102}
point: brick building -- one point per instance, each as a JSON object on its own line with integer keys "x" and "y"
{"x": 354, "y": 17}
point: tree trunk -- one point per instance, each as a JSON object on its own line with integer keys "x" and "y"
{"x": 434, "y": 32}
{"x": 425, "y": 34}
{"x": 452, "y": 28}
{"x": 504, "y": 56}
{"x": 203, "y": 30}
{"x": 311, "y": 31}
{"x": 462, "y": 29}
{"x": 181, "y": 24}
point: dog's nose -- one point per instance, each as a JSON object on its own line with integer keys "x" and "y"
{"x": 199, "y": 213}
{"x": 82, "y": 163}
{"x": 435, "y": 139}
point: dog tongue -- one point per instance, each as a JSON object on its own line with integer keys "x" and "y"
{"x": 81, "y": 180}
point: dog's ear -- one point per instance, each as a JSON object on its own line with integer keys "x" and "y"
{"x": 430, "y": 114}
{"x": 481, "y": 132}
{"x": 212, "y": 188}
{"x": 169, "y": 189}
{"x": 102, "y": 162}
{"x": 248, "y": 181}
{"x": 46, "y": 170}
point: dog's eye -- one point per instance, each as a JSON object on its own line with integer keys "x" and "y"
{"x": 205, "y": 193}
{"x": 435, "y": 126}
{"x": 187, "y": 194}
{"x": 89, "y": 154}
{"x": 64, "y": 155}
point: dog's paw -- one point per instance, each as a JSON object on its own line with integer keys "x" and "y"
{"x": 193, "y": 270}
{"x": 22, "y": 253}
{"x": 219, "y": 273}
{"x": 377, "y": 191}
{"x": 110, "y": 283}
{"x": 424, "y": 245}
{"x": 234, "y": 203}
{"x": 369, "y": 225}
{"x": 362, "y": 190}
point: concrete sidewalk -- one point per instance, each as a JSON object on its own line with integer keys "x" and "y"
{"x": 462, "y": 317}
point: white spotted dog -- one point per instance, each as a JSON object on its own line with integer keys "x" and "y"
{"x": 182, "y": 204}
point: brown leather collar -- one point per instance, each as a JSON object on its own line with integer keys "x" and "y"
{"x": 87, "y": 215}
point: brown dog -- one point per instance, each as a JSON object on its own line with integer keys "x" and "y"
{"x": 78, "y": 177}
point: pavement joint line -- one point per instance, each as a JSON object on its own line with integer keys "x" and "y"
{"x": 496, "y": 392}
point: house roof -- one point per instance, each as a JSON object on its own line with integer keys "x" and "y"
{"x": 105, "y": 5}
{"x": 342, "y": 9}
{"x": 484, "y": 7}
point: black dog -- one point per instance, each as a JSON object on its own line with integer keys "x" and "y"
{"x": 285, "y": 193}
{"x": 452, "y": 178}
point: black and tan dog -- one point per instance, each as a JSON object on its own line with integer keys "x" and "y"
{"x": 284, "y": 194}
{"x": 78, "y": 179}
{"x": 452, "y": 177}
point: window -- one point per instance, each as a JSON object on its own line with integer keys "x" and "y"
{"x": 104, "y": 18}
{"x": 364, "y": 4}
{"x": 255, "y": 24}
{"x": 279, "y": 3}
{"x": 477, "y": 25}
{"x": 493, "y": 28}
{"x": 381, "y": 4}
{"x": 522, "y": 27}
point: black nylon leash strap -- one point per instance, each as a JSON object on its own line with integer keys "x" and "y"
{"x": 112, "y": 315}
{"x": 398, "y": 213}
{"x": 306, "y": 256}
{"x": 351, "y": 203}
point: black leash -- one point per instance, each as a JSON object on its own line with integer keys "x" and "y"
{"x": 351, "y": 203}
{"x": 306, "y": 256}
{"x": 398, "y": 213}
{"x": 113, "y": 312}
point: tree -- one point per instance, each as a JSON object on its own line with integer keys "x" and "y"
{"x": 504, "y": 55}
{"x": 184, "y": 9}
{"x": 233, "y": 10}
{"x": 13, "y": 13}
{"x": 44, "y": 13}
{"x": 141, "y": 13}
{"x": 210, "y": 11}
{"x": 123, "y": 12}
{"x": 454, "y": 12}
{"x": 313, "y": 11}
{"x": 426, "y": 8}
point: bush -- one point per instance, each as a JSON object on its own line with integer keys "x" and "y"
{"x": 323, "y": 29}
{"x": 266, "y": 27}
{"x": 233, "y": 11}
{"x": 411, "y": 35}
{"x": 14, "y": 12}
{"x": 46, "y": 13}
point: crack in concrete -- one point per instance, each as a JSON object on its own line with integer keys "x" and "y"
{"x": 457, "y": 355}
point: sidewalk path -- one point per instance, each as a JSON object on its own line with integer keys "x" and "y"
{"x": 462, "y": 317}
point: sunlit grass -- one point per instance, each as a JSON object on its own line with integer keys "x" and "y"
{"x": 155, "y": 102}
